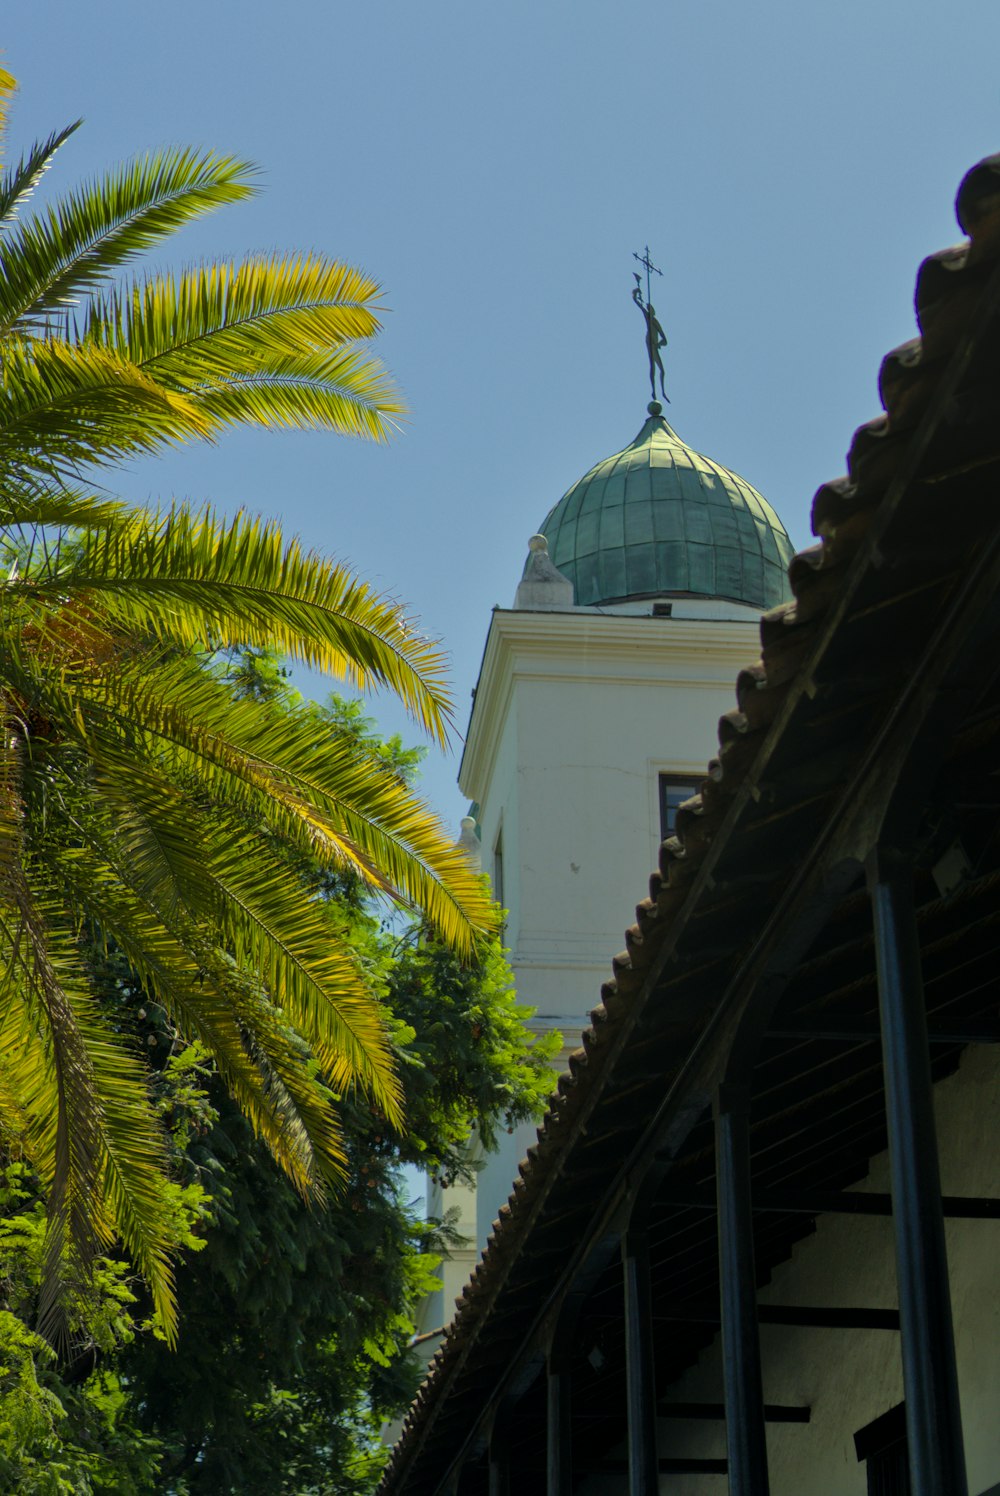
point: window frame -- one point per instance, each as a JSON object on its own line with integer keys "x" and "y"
{"x": 881, "y": 1448}
{"x": 667, "y": 780}
{"x": 496, "y": 870}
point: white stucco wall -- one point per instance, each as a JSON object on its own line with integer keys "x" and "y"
{"x": 575, "y": 716}
{"x": 457, "y": 1203}
{"x": 849, "y": 1378}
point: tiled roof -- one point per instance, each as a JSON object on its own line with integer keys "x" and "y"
{"x": 904, "y": 540}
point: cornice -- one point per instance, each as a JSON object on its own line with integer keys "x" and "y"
{"x": 628, "y": 649}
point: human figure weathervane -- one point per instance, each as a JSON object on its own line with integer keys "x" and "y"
{"x": 656, "y": 338}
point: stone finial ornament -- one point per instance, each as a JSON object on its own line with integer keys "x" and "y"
{"x": 542, "y": 588}
{"x": 469, "y": 842}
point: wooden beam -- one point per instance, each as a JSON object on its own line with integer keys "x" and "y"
{"x": 838, "y": 1202}
{"x": 716, "y": 1412}
{"x": 795, "y": 1315}
{"x": 834, "y": 1029}
{"x": 667, "y": 1466}
{"x": 694, "y": 1467}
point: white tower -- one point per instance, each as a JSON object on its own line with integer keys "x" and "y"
{"x": 597, "y": 702}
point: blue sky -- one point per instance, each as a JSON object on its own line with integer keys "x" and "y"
{"x": 495, "y": 167}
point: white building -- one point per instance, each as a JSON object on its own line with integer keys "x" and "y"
{"x": 598, "y": 690}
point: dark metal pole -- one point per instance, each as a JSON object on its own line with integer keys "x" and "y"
{"x": 499, "y": 1476}
{"x": 559, "y": 1477}
{"x": 745, "y": 1432}
{"x": 930, "y": 1377}
{"x": 640, "y": 1370}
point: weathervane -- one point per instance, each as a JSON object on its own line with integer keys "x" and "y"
{"x": 656, "y": 338}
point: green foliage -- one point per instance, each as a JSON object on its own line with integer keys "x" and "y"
{"x": 297, "y": 1319}
{"x": 293, "y": 1319}
{"x": 296, "y": 1316}
{"x": 58, "y": 1439}
{"x": 463, "y": 1052}
{"x": 65, "y": 1426}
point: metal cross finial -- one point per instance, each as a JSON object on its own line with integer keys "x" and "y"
{"x": 656, "y": 338}
{"x": 645, "y": 260}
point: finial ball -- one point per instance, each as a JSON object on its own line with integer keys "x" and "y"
{"x": 655, "y": 408}
{"x": 538, "y": 543}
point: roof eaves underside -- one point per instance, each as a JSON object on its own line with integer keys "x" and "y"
{"x": 890, "y": 623}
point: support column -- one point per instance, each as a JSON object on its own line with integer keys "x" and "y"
{"x": 746, "y": 1443}
{"x": 930, "y": 1378}
{"x": 643, "y": 1468}
{"x": 559, "y": 1472}
{"x": 499, "y": 1472}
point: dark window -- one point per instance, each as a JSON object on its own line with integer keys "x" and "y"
{"x": 881, "y": 1446}
{"x": 498, "y": 869}
{"x": 674, "y": 790}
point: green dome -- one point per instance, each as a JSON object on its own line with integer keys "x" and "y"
{"x": 658, "y": 519}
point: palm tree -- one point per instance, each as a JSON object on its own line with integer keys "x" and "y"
{"x": 140, "y": 805}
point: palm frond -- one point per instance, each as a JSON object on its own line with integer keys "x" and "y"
{"x": 210, "y": 1000}
{"x": 132, "y": 1159}
{"x": 30, "y": 501}
{"x": 19, "y": 182}
{"x": 313, "y": 788}
{"x": 196, "y": 582}
{"x": 91, "y": 1134}
{"x": 48, "y": 263}
{"x": 11, "y": 807}
{"x": 8, "y": 88}
{"x": 200, "y": 326}
{"x": 44, "y": 1052}
{"x": 263, "y": 341}
{"x": 344, "y": 391}
{"x": 275, "y": 932}
{"x": 260, "y": 916}
{"x": 61, "y": 406}
{"x": 158, "y": 721}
